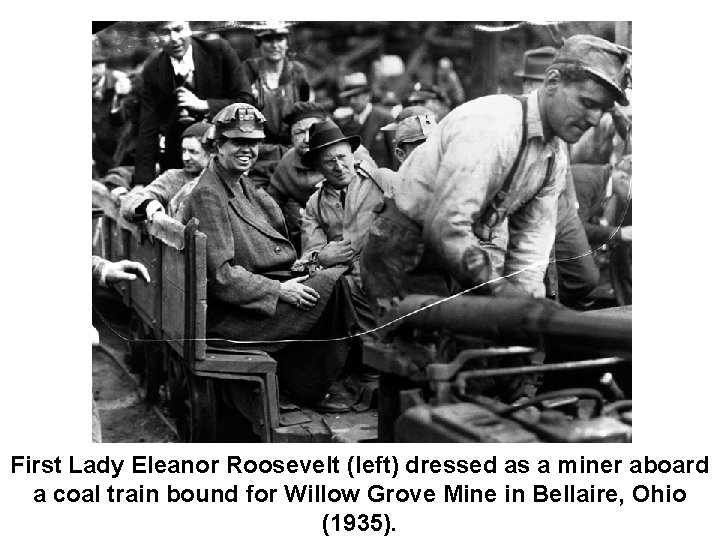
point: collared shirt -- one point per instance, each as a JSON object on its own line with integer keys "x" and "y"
{"x": 326, "y": 220}
{"x": 448, "y": 182}
{"x": 185, "y": 65}
{"x": 362, "y": 117}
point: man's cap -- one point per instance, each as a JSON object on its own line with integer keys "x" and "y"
{"x": 324, "y": 134}
{"x": 354, "y": 84}
{"x": 416, "y": 128}
{"x": 304, "y": 109}
{"x": 423, "y": 92}
{"x": 602, "y": 59}
{"x": 239, "y": 120}
{"x": 198, "y": 129}
{"x": 271, "y": 29}
{"x": 408, "y": 112}
{"x": 536, "y": 62}
{"x": 390, "y": 99}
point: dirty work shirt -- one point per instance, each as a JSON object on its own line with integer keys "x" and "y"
{"x": 449, "y": 181}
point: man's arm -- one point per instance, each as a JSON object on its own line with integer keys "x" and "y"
{"x": 532, "y": 233}
{"x": 314, "y": 237}
{"x": 146, "y": 142}
{"x": 99, "y": 269}
{"x": 136, "y": 204}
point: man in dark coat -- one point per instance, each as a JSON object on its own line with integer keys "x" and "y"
{"x": 367, "y": 120}
{"x": 190, "y": 78}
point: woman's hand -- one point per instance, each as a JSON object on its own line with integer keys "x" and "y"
{"x": 299, "y": 295}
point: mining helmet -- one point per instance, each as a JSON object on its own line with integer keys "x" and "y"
{"x": 415, "y": 128}
{"x": 239, "y": 120}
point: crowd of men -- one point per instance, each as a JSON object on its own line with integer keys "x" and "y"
{"x": 442, "y": 196}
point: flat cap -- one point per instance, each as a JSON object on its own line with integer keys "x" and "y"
{"x": 197, "y": 129}
{"x": 605, "y": 60}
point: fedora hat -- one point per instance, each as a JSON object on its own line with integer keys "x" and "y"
{"x": 324, "y": 134}
{"x": 535, "y": 63}
{"x": 354, "y": 84}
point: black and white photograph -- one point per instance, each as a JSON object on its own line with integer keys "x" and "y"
{"x": 362, "y": 231}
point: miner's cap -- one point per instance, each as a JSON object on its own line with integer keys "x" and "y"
{"x": 239, "y": 120}
{"x": 602, "y": 59}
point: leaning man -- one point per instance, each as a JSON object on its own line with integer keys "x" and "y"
{"x": 491, "y": 159}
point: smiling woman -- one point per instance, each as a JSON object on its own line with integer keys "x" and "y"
{"x": 252, "y": 294}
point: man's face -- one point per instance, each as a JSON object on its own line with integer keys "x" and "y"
{"x": 195, "y": 159}
{"x": 273, "y": 48}
{"x": 174, "y": 37}
{"x": 300, "y": 134}
{"x": 238, "y": 155}
{"x": 403, "y": 150}
{"x": 358, "y": 102}
{"x": 335, "y": 162}
{"x": 575, "y": 107}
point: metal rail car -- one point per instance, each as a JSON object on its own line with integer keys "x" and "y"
{"x": 426, "y": 373}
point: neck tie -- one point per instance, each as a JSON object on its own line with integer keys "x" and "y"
{"x": 342, "y": 198}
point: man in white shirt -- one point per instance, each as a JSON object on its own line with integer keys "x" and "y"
{"x": 188, "y": 79}
{"x": 490, "y": 160}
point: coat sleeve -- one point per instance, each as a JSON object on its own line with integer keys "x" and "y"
{"x": 162, "y": 189}
{"x": 279, "y": 179}
{"x": 227, "y": 281}
{"x": 146, "y": 142}
{"x": 468, "y": 167}
{"x": 314, "y": 237}
{"x": 236, "y": 85}
{"x": 532, "y": 233}
{"x": 99, "y": 266}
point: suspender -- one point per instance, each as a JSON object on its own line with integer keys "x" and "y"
{"x": 494, "y": 214}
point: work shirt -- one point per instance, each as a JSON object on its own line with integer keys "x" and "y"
{"x": 326, "y": 220}
{"x": 448, "y": 182}
{"x": 185, "y": 67}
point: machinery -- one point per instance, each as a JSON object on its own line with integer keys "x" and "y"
{"x": 481, "y": 369}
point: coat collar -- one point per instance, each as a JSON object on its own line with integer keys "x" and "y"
{"x": 258, "y": 211}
